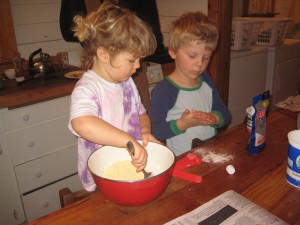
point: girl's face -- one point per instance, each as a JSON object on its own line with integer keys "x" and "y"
{"x": 121, "y": 67}
{"x": 191, "y": 59}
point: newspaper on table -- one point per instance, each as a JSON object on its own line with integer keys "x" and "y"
{"x": 229, "y": 208}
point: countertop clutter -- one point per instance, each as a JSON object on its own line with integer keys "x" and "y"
{"x": 260, "y": 178}
{"x": 34, "y": 90}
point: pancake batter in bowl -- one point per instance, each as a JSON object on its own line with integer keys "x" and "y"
{"x": 123, "y": 170}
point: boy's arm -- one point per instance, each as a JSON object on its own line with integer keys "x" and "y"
{"x": 218, "y": 107}
{"x": 163, "y": 97}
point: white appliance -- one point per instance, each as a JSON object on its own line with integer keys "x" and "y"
{"x": 154, "y": 74}
{"x": 248, "y": 71}
{"x": 283, "y": 72}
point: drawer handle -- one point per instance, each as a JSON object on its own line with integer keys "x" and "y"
{"x": 31, "y": 144}
{"x": 26, "y": 117}
{"x": 38, "y": 174}
{"x": 45, "y": 204}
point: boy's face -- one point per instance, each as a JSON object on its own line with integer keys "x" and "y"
{"x": 191, "y": 59}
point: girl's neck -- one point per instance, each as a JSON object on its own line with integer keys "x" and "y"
{"x": 101, "y": 72}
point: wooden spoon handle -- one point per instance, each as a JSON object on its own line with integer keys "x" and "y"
{"x": 130, "y": 148}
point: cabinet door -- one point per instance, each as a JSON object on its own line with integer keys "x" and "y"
{"x": 286, "y": 80}
{"x": 38, "y": 113}
{"x": 46, "y": 200}
{"x": 11, "y": 210}
{"x": 42, "y": 139}
{"x": 44, "y": 170}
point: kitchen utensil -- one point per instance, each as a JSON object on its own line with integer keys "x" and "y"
{"x": 10, "y": 73}
{"x": 131, "y": 150}
{"x": 41, "y": 65}
{"x": 132, "y": 193}
{"x": 74, "y": 74}
{"x": 191, "y": 159}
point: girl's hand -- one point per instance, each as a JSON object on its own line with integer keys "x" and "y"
{"x": 146, "y": 137}
{"x": 139, "y": 159}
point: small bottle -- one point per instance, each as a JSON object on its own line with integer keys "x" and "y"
{"x": 63, "y": 59}
{"x": 17, "y": 61}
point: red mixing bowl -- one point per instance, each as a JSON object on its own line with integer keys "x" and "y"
{"x": 132, "y": 193}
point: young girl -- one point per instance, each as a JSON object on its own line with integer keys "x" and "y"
{"x": 186, "y": 104}
{"x": 106, "y": 108}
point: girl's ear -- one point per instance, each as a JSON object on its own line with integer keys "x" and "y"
{"x": 102, "y": 55}
{"x": 172, "y": 53}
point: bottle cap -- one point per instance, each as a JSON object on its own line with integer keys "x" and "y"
{"x": 230, "y": 169}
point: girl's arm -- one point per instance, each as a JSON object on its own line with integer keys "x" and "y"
{"x": 146, "y": 129}
{"x": 99, "y": 131}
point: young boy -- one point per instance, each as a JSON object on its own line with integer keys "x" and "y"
{"x": 186, "y": 104}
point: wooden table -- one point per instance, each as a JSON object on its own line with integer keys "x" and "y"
{"x": 260, "y": 178}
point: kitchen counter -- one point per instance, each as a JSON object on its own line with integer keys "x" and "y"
{"x": 260, "y": 178}
{"x": 31, "y": 92}
{"x": 54, "y": 86}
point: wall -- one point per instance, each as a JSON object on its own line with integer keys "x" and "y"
{"x": 169, "y": 10}
{"x": 290, "y": 8}
{"x": 36, "y": 24}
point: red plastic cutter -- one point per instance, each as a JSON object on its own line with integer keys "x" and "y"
{"x": 189, "y": 160}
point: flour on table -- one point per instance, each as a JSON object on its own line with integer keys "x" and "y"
{"x": 211, "y": 157}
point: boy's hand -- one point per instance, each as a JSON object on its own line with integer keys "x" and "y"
{"x": 206, "y": 118}
{"x": 195, "y": 118}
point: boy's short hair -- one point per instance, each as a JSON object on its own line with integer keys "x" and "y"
{"x": 193, "y": 26}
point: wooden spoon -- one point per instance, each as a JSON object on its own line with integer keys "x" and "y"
{"x": 131, "y": 150}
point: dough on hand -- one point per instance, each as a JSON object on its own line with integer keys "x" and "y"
{"x": 123, "y": 170}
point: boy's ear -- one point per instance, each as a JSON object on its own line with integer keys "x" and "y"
{"x": 172, "y": 53}
{"x": 102, "y": 54}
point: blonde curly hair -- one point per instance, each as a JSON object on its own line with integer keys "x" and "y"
{"x": 115, "y": 29}
{"x": 193, "y": 26}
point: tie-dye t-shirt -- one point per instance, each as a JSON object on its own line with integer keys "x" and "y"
{"x": 118, "y": 104}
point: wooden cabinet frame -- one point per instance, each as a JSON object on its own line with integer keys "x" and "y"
{"x": 8, "y": 43}
{"x": 220, "y": 11}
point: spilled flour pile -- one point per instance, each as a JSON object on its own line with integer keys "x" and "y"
{"x": 211, "y": 157}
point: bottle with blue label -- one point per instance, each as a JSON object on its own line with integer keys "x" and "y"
{"x": 256, "y": 122}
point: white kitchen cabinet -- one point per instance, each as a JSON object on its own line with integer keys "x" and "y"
{"x": 40, "y": 154}
{"x": 46, "y": 200}
{"x": 248, "y": 71}
{"x": 11, "y": 209}
{"x": 283, "y": 75}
